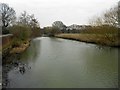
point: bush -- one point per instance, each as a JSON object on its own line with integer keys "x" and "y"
{"x": 101, "y": 30}
{"x": 51, "y": 31}
{"x": 5, "y": 31}
{"x": 16, "y": 42}
{"x": 21, "y": 33}
{"x": 36, "y": 32}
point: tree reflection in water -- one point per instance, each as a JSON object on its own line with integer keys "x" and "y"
{"x": 18, "y": 66}
{"x": 21, "y": 67}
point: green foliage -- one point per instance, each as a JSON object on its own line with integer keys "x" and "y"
{"x": 23, "y": 28}
{"x": 59, "y": 25}
{"x": 30, "y": 22}
{"x": 36, "y": 32}
{"x": 16, "y": 42}
{"x": 20, "y": 34}
{"x": 51, "y": 31}
{"x": 5, "y": 31}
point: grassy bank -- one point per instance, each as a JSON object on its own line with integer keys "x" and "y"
{"x": 9, "y": 54}
{"x": 21, "y": 48}
{"x": 109, "y": 40}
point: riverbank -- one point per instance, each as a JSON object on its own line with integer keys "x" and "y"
{"x": 51, "y": 58}
{"x": 10, "y": 59}
{"x": 14, "y": 51}
{"x": 108, "y": 40}
{"x": 21, "y": 48}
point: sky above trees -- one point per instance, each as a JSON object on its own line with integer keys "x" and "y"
{"x": 67, "y": 11}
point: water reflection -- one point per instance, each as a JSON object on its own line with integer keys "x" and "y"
{"x": 99, "y": 63}
{"x": 17, "y": 66}
{"x": 32, "y": 52}
{"x": 20, "y": 67}
{"x": 60, "y": 63}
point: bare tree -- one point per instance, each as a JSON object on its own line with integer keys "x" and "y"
{"x": 28, "y": 20}
{"x": 110, "y": 17}
{"x": 31, "y": 22}
{"x": 0, "y": 24}
{"x": 24, "y": 19}
{"x": 96, "y": 21}
{"x": 8, "y": 15}
{"x": 119, "y": 14}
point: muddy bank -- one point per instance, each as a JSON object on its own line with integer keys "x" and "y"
{"x": 7, "y": 65}
{"x": 92, "y": 38}
{"x": 10, "y": 60}
{"x": 21, "y": 48}
{"x": 15, "y": 64}
{"x": 14, "y": 50}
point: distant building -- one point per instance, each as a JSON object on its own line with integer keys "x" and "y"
{"x": 76, "y": 28}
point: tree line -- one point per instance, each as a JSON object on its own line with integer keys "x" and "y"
{"x": 24, "y": 27}
{"x": 107, "y": 23}
{"x": 9, "y": 19}
{"x": 104, "y": 23}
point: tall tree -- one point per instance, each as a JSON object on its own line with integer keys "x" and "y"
{"x": 110, "y": 17}
{"x": 24, "y": 19}
{"x": 59, "y": 25}
{"x": 0, "y": 24}
{"x": 8, "y": 15}
{"x": 30, "y": 21}
{"x": 119, "y": 14}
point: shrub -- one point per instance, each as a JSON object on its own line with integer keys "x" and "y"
{"x": 20, "y": 33}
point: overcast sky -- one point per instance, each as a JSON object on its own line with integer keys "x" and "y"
{"x": 67, "y": 11}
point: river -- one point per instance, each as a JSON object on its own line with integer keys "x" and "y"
{"x": 61, "y": 63}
